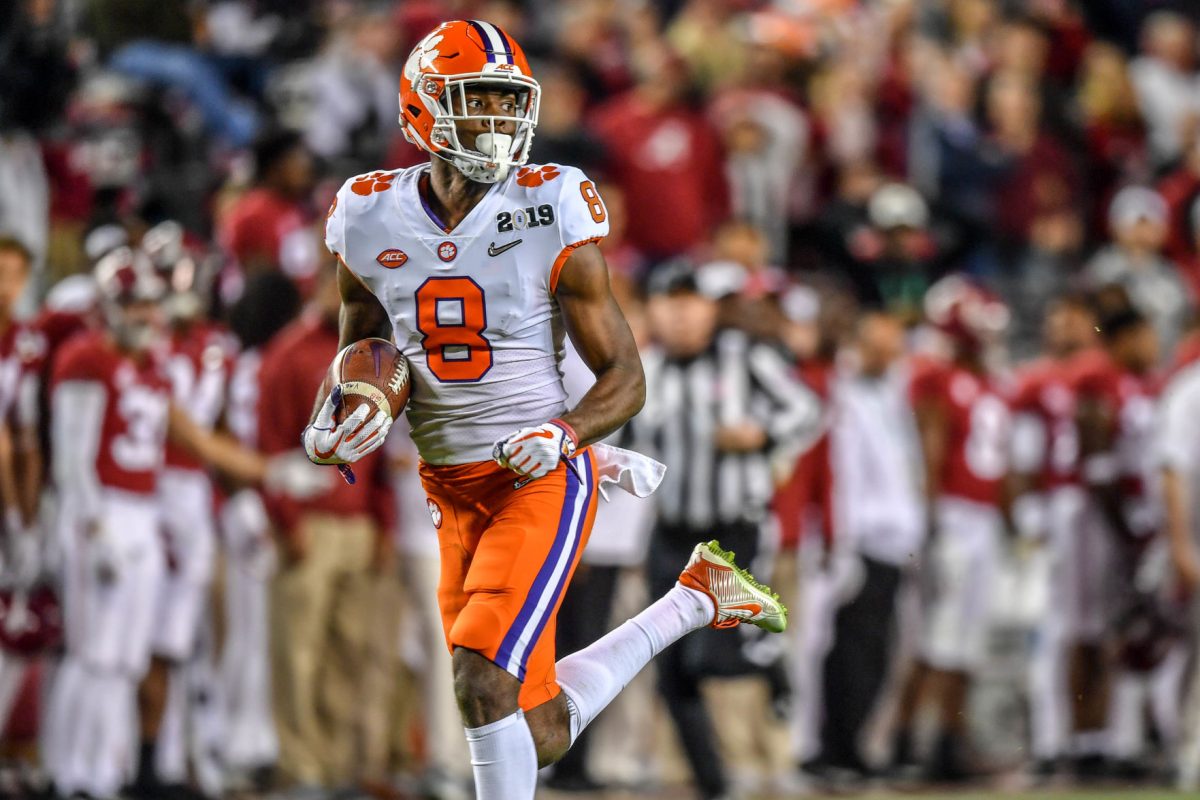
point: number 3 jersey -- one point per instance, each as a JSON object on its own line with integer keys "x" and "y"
{"x": 131, "y": 440}
{"x": 473, "y": 308}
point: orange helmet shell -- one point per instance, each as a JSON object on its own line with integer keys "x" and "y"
{"x": 451, "y": 56}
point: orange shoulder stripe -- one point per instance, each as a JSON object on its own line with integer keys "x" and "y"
{"x": 562, "y": 260}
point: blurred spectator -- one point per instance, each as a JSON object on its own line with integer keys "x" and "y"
{"x": 270, "y": 227}
{"x": 666, "y": 157}
{"x": 33, "y": 93}
{"x": 880, "y": 528}
{"x": 766, "y": 141}
{"x": 1040, "y": 178}
{"x": 562, "y": 137}
{"x": 949, "y": 159}
{"x": 153, "y": 41}
{"x": 1189, "y": 264}
{"x": 1180, "y": 189}
{"x": 894, "y": 258}
{"x": 1167, "y": 86}
{"x": 352, "y": 110}
{"x": 330, "y": 647}
{"x": 717, "y": 408}
{"x": 1137, "y": 218}
{"x": 1112, "y": 127}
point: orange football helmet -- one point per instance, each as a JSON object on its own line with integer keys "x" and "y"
{"x": 433, "y": 97}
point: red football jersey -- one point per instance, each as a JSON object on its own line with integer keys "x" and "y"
{"x": 21, "y": 353}
{"x": 198, "y": 363}
{"x": 134, "y": 430}
{"x": 978, "y": 426}
{"x": 1046, "y": 389}
{"x": 1129, "y": 400}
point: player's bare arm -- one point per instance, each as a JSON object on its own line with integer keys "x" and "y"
{"x": 931, "y": 425}
{"x": 224, "y": 453}
{"x": 602, "y": 336}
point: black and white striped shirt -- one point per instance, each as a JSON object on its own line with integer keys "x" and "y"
{"x": 687, "y": 400}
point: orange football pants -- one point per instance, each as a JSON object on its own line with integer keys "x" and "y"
{"x": 507, "y": 557}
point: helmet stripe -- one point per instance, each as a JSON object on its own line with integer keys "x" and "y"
{"x": 488, "y": 47}
{"x": 494, "y": 42}
{"x": 508, "y": 48}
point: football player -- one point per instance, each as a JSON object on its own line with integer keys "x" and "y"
{"x": 1048, "y": 502}
{"x": 1115, "y": 413}
{"x": 197, "y": 363}
{"x": 111, "y": 416}
{"x": 478, "y": 265}
{"x": 964, "y": 425}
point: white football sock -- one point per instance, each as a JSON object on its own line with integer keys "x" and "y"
{"x": 595, "y": 675}
{"x": 504, "y": 759}
{"x": 170, "y": 749}
{"x": 113, "y": 764}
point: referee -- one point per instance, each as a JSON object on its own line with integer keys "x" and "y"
{"x": 721, "y": 410}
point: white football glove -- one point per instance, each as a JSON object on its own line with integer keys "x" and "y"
{"x": 355, "y": 437}
{"x": 535, "y": 452}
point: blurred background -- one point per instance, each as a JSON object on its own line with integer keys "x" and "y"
{"x": 933, "y": 212}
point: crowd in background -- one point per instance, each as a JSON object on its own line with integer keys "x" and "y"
{"x": 930, "y": 210}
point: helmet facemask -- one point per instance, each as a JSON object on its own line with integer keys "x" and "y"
{"x": 495, "y": 153}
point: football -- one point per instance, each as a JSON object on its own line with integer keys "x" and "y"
{"x": 370, "y": 371}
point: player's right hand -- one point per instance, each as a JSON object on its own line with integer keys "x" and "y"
{"x": 327, "y": 442}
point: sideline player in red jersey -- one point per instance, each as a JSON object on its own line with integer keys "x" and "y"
{"x": 111, "y": 416}
{"x": 478, "y": 267}
{"x": 1115, "y": 412}
{"x": 964, "y": 425}
{"x": 1048, "y": 503}
{"x": 197, "y": 363}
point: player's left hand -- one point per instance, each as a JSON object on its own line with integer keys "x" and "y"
{"x": 327, "y": 442}
{"x": 535, "y": 452}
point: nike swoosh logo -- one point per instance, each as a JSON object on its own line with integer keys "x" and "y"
{"x": 536, "y": 434}
{"x": 751, "y": 608}
{"x": 332, "y": 450}
{"x": 494, "y": 251}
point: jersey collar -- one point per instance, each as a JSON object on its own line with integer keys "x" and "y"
{"x": 429, "y": 220}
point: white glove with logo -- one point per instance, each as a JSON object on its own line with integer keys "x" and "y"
{"x": 356, "y": 436}
{"x": 535, "y": 452}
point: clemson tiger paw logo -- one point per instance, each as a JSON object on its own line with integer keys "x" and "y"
{"x": 374, "y": 182}
{"x": 435, "y": 512}
{"x": 536, "y": 176}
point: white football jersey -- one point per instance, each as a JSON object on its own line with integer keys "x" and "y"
{"x": 473, "y": 309}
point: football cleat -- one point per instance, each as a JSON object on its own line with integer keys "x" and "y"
{"x": 734, "y": 591}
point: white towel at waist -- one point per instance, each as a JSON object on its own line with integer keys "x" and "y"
{"x": 635, "y": 473}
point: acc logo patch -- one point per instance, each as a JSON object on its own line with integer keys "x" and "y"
{"x": 435, "y": 511}
{"x": 447, "y": 251}
{"x": 392, "y": 259}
